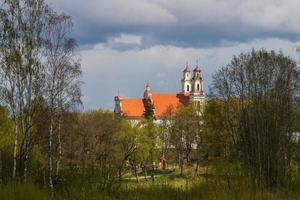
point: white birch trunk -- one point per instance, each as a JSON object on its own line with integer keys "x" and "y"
{"x": 15, "y": 151}
{"x": 59, "y": 149}
{"x": 26, "y": 155}
{"x": 50, "y": 157}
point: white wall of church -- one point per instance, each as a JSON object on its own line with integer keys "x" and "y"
{"x": 197, "y": 86}
{"x": 187, "y": 86}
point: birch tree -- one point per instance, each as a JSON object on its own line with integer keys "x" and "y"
{"x": 22, "y": 24}
{"x": 62, "y": 74}
{"x": 266, "y": 88}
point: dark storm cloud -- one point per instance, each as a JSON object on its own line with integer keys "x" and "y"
{"x": 190, "y": 23}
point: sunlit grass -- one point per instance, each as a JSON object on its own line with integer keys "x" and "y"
{"x": 24, "y": 191}
{"x": 222, "y": 185}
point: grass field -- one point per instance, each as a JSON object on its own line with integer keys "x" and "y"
{"x": 168, "y": 185}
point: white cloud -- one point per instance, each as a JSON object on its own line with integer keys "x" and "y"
{"x": 280, "y": 15}
{"x": 127, "y": 39}
{"x": 107, "y": 71}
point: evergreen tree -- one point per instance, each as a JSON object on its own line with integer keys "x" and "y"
{"x": 149, "y": 109}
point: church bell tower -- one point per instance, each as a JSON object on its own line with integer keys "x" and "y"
{"x": 197, "y": 93}
{"x": 186, "y": 83}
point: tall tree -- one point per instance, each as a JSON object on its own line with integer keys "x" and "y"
{"x": 266, "y": 86}
{"x": 62, "y": 73}
{"x": 126, "y": 138}
{"x": 150, "y": 130}
{"x": 22, "y": 24}
{"x": 165, "y": 129}
{"x": 185, "y": 129}
{"x": 38, "y": 65}
{"x": 149, "y": 108}
{"x": 220, "y": 127}
{"x": 6, "y": 129}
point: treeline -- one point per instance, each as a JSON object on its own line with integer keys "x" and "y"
{"x": 251, "y": 116}
{"x": 39, "y": 80}
{"x": 99, "y": 144}
{"x": 257, "y": 101}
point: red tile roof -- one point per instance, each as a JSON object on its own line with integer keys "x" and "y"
{"x": 197, "y": 69}
{"x": 164, "y": 101}
{"x": 132, "y": 107}
{"x": 162, "y": 104}
{"x": 186, "y": 69}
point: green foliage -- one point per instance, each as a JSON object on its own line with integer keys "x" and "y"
{"x": 265, "y": 87}
{"x": 149, "y": 137}
{"x": 6, "y": 130}
{"x": 26, "y": 191}
{"x": 149, "y": 109}
{"x": 186, "y": 131}
{"x": 126, "y": 138}
{"x": 220, "y": 127}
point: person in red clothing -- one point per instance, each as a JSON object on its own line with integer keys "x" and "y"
{"x": 163, "y": 162}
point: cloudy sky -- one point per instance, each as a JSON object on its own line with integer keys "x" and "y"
{"x": 125, "y": 43}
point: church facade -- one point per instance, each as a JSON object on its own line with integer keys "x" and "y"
{"x": 191, "y": 92}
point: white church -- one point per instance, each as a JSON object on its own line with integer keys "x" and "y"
{"x": 191, "y": 91}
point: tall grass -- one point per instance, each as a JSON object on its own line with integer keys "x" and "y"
{"x": 221, "y": 182}
{"x": 23, "y": 191}
{"x": 146, "y": 191}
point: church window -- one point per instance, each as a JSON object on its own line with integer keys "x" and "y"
{"x": 188, "y": 88}
{"x": 198, "y": 87}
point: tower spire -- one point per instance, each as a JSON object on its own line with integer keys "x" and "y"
{"x": 197, "y": 93}
{"x": 147, "y": 92}
{"x": 148, "y": 86}
{"x": 186, "y": 80}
